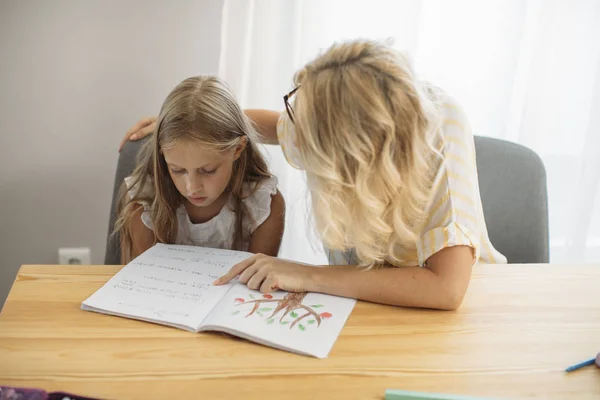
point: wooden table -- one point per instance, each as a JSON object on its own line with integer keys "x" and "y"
{"x": 518, "y": 328}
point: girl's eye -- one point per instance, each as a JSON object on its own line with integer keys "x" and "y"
{"x": 211, "y": 172}
{"x": 177, "y": 171}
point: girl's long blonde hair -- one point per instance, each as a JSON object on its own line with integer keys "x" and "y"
{"x": 203, "y": 109}
{"x": 364, "y": 133}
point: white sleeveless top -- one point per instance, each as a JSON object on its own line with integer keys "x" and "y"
{"x": 218, "y": 232}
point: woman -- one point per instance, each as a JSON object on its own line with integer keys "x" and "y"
{"x": 390, "y": 166}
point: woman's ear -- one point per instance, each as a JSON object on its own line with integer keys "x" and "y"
{"x": 240, "y": 147}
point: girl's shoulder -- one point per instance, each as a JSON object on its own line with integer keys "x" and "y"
{"x": 258, "y": 198}
{"x": 260, "y": 192}
{"x": 143, "y": 193}
{"x": 142, "y": 190}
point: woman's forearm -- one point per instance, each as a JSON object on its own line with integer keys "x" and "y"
{"x": 265, "y": 122}
{"x": 407, "y": 286}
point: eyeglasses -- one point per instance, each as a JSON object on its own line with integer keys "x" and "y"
{"x": 288, "y": 107}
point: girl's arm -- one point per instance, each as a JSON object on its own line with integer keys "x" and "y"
{"x": 265, "y": 122}
{"x": 142, "y": 238}
{"x": 266, "y": 239}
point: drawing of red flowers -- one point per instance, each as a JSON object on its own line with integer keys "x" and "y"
{"x": 325, "y": 315}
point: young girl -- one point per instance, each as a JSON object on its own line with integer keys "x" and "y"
{"x": 390, "y": 165}
{"x": 201, "y": 180}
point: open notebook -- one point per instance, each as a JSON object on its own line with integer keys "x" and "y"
{"x": 172, "y": 285}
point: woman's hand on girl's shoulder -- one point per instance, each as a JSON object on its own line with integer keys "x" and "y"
{"x": 140, "y": 130}
{"x": 264, "y": 120}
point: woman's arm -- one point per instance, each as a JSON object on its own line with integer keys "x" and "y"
{"x": 265, "y": 122}
{"x": 441, "y": 285}
{"x": 266, "y": 239}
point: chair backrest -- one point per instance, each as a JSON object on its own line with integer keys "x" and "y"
{"x": 125, "y": 166}
{"x": 512, "y": 182}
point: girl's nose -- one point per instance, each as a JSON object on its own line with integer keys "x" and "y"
{"x": 193, "y": 184}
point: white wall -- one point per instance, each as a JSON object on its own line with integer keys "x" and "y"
{"x": 74, "y": 75}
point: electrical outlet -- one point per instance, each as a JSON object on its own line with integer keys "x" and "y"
{"x": 74, "y": 255}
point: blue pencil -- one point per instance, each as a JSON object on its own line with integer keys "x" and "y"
{"x": 581, "y": 365}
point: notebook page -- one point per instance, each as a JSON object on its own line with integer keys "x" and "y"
{"x": 305, "y": 323}
{"x": 169, "y": 284}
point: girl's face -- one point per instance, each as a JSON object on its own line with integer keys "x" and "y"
{"x": 200, "y": 174}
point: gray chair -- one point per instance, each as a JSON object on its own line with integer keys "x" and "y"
{"x": 125, "y": 166}
{"x": 512, "y": 183}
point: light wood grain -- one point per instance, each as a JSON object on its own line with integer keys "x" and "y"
{"x": 519, "y": 327}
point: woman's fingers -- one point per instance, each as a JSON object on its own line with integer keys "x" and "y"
{"x": 139, "y": 130}
{"x": 235, "y": 271}
{"x": 269, "y": 285}
{"x": 248, "y": 273}
{"x": 256, "y": 280}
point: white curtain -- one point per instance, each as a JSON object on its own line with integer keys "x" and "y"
{"x": 525, "y": 71}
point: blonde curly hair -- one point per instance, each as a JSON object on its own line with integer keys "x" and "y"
{"x": 364, "y": 130}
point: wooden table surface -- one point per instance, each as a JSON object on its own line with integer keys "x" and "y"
{"x": 519, "y": 327}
